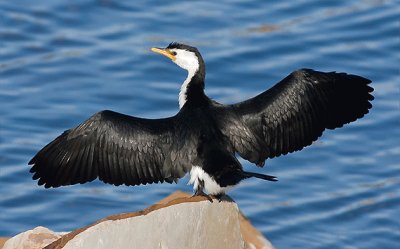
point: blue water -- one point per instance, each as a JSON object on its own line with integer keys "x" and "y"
{"x": 62, "y": 61}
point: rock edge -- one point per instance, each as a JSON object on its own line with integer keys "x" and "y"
{"x": 219, "y": 222}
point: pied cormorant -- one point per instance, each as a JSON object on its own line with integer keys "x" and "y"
{"x": 204, "y": 136}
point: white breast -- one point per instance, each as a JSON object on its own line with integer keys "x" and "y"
{"x": 210, "y": 185}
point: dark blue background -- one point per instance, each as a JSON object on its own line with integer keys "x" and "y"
{"x": 62, "y": 61}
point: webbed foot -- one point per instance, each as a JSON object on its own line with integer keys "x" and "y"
{"x": 223, "y": 197}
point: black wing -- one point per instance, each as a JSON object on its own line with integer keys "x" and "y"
{"x": 117, "y": 148}
{"x": 295, "y": 112}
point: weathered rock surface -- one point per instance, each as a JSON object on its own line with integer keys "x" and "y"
{"x": 2, "y": 241}
{"x": 38, "y": 237}
{"x": 177, "y": 221}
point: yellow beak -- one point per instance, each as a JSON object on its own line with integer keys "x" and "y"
{"x": 165, "y": 52}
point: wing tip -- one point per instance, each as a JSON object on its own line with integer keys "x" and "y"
{"x": 32, "y": 161}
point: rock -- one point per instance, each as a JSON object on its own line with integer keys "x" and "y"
{"x": 178, "y": 221}
{"x": 3, "y": 240}
{"x": 38, "y": 237}
{"x": 252, "y": 237}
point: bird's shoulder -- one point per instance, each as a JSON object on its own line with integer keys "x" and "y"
{"x": 111, "y": 122}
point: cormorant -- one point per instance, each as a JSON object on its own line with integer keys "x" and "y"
{"x": 204, "y": 136}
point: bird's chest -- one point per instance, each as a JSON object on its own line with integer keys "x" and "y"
{"x": 200, "y": 128}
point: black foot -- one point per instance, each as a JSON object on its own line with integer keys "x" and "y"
{"x": 201, "y": 193}
{"x": 223, "y": 197}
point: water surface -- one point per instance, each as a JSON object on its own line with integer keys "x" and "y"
{"x": 62, "y": 61}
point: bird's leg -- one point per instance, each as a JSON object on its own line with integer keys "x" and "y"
{"x": 200, "y": 192}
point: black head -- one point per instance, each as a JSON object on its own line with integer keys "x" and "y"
{"x": 185, "y": 56}
{"x": 176, "y": 45}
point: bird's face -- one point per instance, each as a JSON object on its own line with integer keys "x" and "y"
{"x": 184, "y": 56}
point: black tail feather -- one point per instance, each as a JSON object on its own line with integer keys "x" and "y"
{"x": 261, "y": 176}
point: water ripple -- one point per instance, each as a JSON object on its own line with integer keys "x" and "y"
{"x": 62, "y": 61}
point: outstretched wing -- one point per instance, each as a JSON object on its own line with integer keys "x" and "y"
{"x": 295, "y": 112}
{"x": 117, "y": 148}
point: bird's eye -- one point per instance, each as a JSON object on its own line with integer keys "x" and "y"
{"x": 173, "y": 52}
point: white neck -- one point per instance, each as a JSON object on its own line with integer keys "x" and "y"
{"x": 182, "y": 93}
{"x": 188, "y": 61}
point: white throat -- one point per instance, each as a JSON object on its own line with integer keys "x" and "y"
{"x": 188, "y": 61}
{"x": 183, "y": 91}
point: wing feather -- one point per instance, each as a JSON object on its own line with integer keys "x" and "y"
{"x": 116, "y": 148}
{"x": 295, "y": 112}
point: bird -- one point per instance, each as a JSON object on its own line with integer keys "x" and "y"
{"x": 205, "y": 138}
